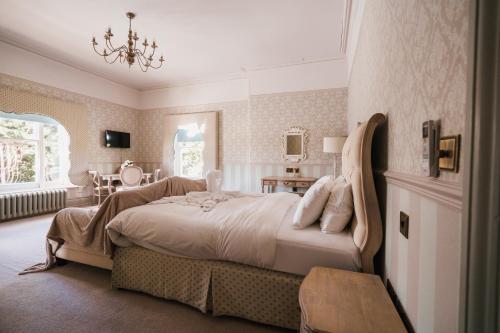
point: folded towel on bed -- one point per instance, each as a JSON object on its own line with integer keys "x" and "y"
{"x": 86, "y": 227}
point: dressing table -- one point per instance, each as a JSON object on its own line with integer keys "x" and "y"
{"x": 293, "y": 150}
{"x": 295, "y": 183}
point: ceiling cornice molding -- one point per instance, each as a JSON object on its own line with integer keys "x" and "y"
{"x": 243, "y": 74}
{"x": 292, "y": 64}
{"x": 240, "y": 75}
{"x": 199, "y": 81}
{"x": 345, "y": 26}
{"x": 28, "y": 49}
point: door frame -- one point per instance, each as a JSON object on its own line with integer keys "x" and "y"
{"x": 480, "y": 283}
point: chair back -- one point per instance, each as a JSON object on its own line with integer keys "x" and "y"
{"x": 214, "y": 181}
{"x": 96, "y": 178}
{"x": 156, "y": 175}
{"x": 131, "y": 176}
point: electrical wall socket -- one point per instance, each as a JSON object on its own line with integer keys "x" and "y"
{"x": 404, "y": 224}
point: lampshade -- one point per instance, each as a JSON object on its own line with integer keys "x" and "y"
{"x": 333, "y": 144}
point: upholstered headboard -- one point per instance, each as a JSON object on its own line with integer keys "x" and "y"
{"x": 366, "y": 225}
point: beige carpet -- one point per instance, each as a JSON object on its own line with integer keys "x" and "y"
{"x": 78, "y": 298}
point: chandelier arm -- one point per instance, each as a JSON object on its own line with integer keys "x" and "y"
{"x": 142, "y": 68}
{"x": 142, "y": 59}
{"x": 101, "y": 54}
{"x": 110, "y": 46}
{"x": 152, "y": 54}
{"x": 156, "y": 67}
{"x": 146, "y": 64}
{"x": 114, "y": 60}
{"x": 112, "y": 52}
{"x": 137, "y": 51}
{"x": 144, "y": 51}
{"x": 122, "y": 48}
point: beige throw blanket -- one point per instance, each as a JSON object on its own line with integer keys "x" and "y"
{"x": 86, "y": 227}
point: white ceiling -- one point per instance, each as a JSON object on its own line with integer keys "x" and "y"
{"x": 201, "y": 40}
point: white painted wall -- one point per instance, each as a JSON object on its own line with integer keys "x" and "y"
{"x": 30, "y": 66}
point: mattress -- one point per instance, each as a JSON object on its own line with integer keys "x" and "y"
{"x": 186, "y": 231}
{"x": 297, "y": 251}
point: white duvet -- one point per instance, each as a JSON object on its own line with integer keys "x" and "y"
{"x": 237, "y": 228}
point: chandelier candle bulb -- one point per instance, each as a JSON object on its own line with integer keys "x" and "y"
{"x": 128, "y": 51}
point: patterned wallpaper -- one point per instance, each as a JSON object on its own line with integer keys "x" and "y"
{"x": 321, "y": 112}
{"x": 233, "y": 130}
{"x": 411, "y": 63}
{"x": 250, "y": 133}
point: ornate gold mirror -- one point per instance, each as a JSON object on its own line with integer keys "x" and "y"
{"x": 294, "y": 141}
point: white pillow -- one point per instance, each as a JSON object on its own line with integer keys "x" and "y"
{"x": 339, "y": 207}
{"x": 312, "y": 204}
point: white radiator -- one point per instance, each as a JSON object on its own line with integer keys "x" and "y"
{"x": 15, "y": 205}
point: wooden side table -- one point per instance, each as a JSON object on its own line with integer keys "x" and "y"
{"x": 338, "y": 301}
{"x": 270, "y": 183}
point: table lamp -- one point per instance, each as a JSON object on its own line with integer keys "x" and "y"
{"x": 334, "y": 144}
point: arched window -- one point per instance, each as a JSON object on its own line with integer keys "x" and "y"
{"x": 34, "y": 152}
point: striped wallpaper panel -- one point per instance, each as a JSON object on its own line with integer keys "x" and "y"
{"x": 247, "y": 176}
{"x": 425, "y": 268}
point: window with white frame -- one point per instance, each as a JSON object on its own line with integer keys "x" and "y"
{"x": 188, "y": 148}
{"x": 34, "y": 152}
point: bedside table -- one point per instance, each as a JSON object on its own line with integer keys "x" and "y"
{"x": 337, "y": 301}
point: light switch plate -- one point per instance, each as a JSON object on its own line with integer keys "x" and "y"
{"x": 449, "y": 150}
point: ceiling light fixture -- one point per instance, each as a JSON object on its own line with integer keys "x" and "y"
{"x": 129, "y": 52}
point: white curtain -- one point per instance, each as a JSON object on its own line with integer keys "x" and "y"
{"x": 208, "y": 125}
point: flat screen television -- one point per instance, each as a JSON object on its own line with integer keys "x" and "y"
{"x": 113, "y": 139}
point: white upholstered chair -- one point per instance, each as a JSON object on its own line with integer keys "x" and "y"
{"x": 100, "y": 190}
{"x": 130, "y": 177}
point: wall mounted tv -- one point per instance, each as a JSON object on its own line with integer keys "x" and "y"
{"x": 113, "y": 139}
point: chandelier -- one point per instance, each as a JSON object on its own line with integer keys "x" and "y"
{"x": 129, "y": 52}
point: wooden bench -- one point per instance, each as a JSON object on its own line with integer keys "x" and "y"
{"x": 338, "y": 301}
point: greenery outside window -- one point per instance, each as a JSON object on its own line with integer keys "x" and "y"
{"x": 34, "y": 152}
{"x": 188, "y": 148}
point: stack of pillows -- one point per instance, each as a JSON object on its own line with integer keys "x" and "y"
{"x": 328, "y": 200}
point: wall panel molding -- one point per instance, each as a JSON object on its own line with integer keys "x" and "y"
{"x": 447, "y": 193}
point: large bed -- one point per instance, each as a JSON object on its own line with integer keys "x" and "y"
{"x": 248, "y": 264}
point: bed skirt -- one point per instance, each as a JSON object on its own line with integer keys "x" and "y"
{"x": 222, "y": 287}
